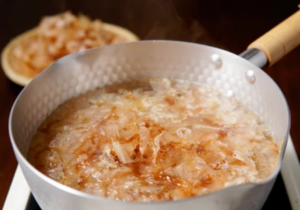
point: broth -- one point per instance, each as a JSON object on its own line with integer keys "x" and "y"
{"x": 153, "y": 140}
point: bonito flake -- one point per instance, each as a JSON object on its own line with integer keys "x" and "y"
{"x": 153, "y": 140}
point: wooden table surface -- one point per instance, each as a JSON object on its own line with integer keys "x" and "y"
{"x": 230, "y": 25}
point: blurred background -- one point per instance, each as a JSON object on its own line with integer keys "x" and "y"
{"x": 230, "y": 25}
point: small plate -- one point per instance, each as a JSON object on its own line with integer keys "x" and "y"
{"x": 9, "y": 62}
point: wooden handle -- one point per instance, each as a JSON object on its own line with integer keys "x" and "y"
{"x": 280, "y": 40}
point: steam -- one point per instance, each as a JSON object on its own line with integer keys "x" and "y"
{"x": 171, "y": 26}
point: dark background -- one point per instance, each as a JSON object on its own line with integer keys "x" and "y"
{"x": 231, "y": 25}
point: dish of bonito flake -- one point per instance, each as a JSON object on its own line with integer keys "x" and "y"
{"x": 56, "y": 36}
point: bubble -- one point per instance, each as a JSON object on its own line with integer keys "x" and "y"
{"x": 183, "y": 132}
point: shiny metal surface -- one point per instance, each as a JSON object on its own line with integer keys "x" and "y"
{"x": 80, "y": 72}
{"x": 255, "y": 56}
{"x": 217, "y": 61}
{"x": 250, "y": 76}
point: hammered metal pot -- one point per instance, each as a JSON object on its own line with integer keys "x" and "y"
{"x": 84, "y": 71}
{"x": 80, "y": 72}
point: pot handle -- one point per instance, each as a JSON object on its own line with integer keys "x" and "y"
{"x": 280, "y": 40}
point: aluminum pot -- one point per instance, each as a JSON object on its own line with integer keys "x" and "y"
{"x": 230, "y": 73}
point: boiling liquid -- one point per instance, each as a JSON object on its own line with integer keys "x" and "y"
{"x": 153, "y": 140}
